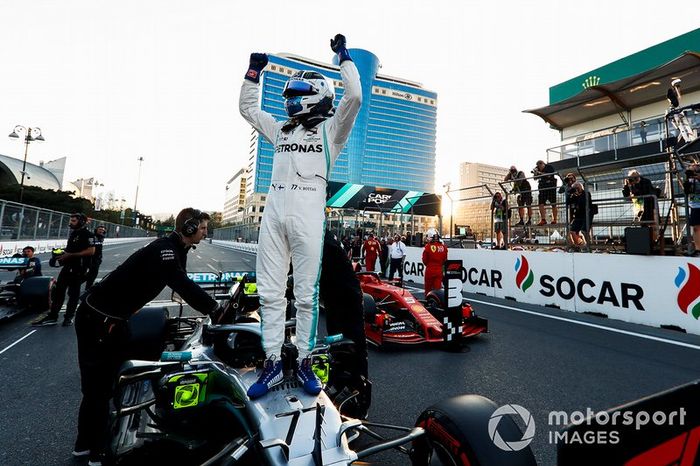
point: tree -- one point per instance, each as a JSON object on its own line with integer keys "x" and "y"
{"x": 217, "y": 219}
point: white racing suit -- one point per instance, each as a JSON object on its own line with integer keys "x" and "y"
{"x": 294, "y": 220}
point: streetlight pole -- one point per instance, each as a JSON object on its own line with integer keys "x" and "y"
{"x": 138, "y": 182}
{"x": 27, "y": 139}
{"x": 448, "y": 185}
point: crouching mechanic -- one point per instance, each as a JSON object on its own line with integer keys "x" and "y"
{"x": 434, "y": 256}
{"x": 306, "y": 146}
{"x": 105, "y": 308}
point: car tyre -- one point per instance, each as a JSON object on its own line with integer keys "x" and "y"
{"x": 457, "y": 434}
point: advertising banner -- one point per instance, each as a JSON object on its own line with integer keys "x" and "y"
{"x": 645, "y": 290}
{"x": 362, "y": 197}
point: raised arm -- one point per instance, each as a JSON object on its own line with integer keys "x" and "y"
{"x": 263, "y": 122}
{"x": 349, "y": 106}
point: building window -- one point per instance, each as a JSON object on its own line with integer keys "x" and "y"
{"x": 262, "y": 208}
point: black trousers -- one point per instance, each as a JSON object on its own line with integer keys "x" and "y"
{"x": 92, "y": 274}
{"x": 70, "y": 281}
{"x": 340, "y": 291}
{"x": 101, "y": 348}
{"x": 394, "y": 266}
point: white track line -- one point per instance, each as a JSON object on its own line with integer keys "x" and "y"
{"x": 579, "y": 322}
{"x": 13, "y": 344}
{"x": 213, "y": 268}
{"x": 588, "y": 324}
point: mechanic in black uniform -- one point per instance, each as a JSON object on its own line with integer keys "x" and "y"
{"x": 105, "y": 308}
{"x": 100, "y": 233}
{"x": 340, "y": 291}
{"x": 74, "y": 262}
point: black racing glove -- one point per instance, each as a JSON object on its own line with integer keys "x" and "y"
{"x": 338, "y": 46}
{"x": 258, "y": 61}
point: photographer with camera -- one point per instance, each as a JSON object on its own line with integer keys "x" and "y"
{"x": 547, "y": 185}
{"x": 691, "y": 186}
{"x": 566, "y": 190}
{"x": 582, "y": 215}
{"x": 640, "y": 191}
{"x": 524, "y": 191}
{"x": 500, "y": 212}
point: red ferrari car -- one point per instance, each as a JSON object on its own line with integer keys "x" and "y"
{"x": 394, "y": 316}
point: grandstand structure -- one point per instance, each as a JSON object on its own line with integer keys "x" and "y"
{"x": 616, "y": 118}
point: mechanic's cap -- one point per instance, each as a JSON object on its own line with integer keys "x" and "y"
{"x": 675, "y": 82}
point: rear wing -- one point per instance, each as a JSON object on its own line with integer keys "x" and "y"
{"x": 13, "y": 263}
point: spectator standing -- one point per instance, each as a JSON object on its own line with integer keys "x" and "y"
{"x": 397, "y": 252}
{"x": 641, "y": 192}
{"x": 522, "y": 188}
{"x": 582, "y": 211}
{"x": 547, "y": 185}
{"x": 499, "y": 210}
{"x": 384, "y": 256}
{"x": 566, "y": 190}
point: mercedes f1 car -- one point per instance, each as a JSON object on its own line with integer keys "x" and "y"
{"x": 190, "y": 406}
{"x": 33, "y": 293}
{"x": 394, "y": 316}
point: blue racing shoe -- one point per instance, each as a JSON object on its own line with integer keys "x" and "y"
{"x": 270, "y": 376}
{"x": 306, "y": 375}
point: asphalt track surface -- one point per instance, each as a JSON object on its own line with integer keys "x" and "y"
{"x": 542, "y": 359}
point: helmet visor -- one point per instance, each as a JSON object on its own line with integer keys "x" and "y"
{"x": 295, "y": 88}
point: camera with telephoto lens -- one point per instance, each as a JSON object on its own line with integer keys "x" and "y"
{"x": 535, "y": 171}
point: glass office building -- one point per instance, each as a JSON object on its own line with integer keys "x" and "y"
{"x": 392, "y": 144}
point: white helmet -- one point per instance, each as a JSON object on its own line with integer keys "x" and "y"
{"x": 308, "y": 93}
{"x": 675, "y": 82}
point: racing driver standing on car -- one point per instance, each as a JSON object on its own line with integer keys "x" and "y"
{"x": 434, "y": 256}
{"x": 306, "y": 147}
{"x": 102, "y": 318}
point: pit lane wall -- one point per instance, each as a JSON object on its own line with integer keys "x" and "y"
{"x": 648, "y": 290}
{"x": 8, "y": 248}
